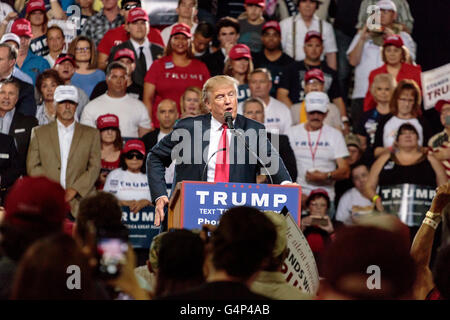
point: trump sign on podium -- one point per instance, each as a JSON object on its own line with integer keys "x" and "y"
{"x": 196, "y": 203}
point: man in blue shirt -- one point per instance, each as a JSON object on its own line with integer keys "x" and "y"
{"x": 27, "y": 61}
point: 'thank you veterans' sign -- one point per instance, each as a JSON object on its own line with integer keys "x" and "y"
{"x": 204, "y": 202}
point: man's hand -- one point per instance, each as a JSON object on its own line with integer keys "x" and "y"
{"x": 70, "y": 194}
{"x": 159, "y": 210}
{"x": 11, "y": 16}
{"x": 441, "y": 199}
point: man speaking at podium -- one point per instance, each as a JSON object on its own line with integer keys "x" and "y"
{"x": 208, "y": 148}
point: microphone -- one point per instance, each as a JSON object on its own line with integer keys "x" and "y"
{"x": 229, "y": 120}
{"x": 207, "y": 162}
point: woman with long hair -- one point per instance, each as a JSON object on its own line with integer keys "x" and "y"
{"x": 191, "y": 103}
{"x": 86, "y": 75}
{"x": 111, "y": 144}
{"x": 37, "y": 15}
{"x": 239, "y": 66}
{"x": 405, "y": 107}
{"x": 46, "y": 84}
{"x": 397, "y": 62}
{"x": 169, "y": 76}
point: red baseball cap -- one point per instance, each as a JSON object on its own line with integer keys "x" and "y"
{"x": 34, "y": 5}
{"x": 271, "y": 24}
{"x": 107, "y": 121}
{"x": 22, "y": 27}
{"x": 318, "y": 191}
{"x": 181, "y": 28}
{"x": 394, "y": 40}
{"x": 134, "y": 144}
{"x": 314, "y": 74}
{"x": 65, "y": 57}
{"x": 34, "y": 200}
{"x": 259, "y": 3}
{"x": 240, "y": 51}
{"x": 440, "y": 104}
{"x": 136, "y": 14}
{"x": 313, "y": 34}
{"x": 124, "y": 53}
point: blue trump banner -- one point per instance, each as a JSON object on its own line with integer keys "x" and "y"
{"x": 140, "y": 226}
{"x": 204, "y": 202}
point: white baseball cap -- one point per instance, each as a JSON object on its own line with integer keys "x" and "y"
{"x": 317, "y": 101}
{"x": 66, "y": 93}
{"x": 387, "y": 5}
{"x": 10, "y": 37}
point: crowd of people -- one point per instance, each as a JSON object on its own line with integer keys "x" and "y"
{"x": 83, "y": 103}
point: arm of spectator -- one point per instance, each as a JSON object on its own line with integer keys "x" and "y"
{"x": 354, "y": 57}
{"x": 342, "y": 171}
{"x": 148, "y": 96}
{"x": 56, "y": 12}
{"x": 9, "y": 17}
{"x": 381, "y": 150}
{"x": 441, "y": 176}
{"x": 283, "y": 96}
{"x": 423, "y": 243}
{"x": 371, "y": 186}
{"x": 339, "y": 102}
{"x": 139, "y": 204}
{"x": 363, "y": 141}
{"x": 102, "y": 61}
{"x": 83, "y": 185}
{"x": 34, "y": 165}
{"x": 331, "y": 60}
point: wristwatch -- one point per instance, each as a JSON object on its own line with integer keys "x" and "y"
{"x": 329, "y": 176}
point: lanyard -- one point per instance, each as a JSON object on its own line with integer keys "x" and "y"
{"x": 313, "y": 152}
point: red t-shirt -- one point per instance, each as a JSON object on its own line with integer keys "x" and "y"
{"x": 171, "y": 81}
{"x": 407, "y": 71}
{"x": 118, "y": 35}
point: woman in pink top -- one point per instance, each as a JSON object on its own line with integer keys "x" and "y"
{"x": 169, "y": 76}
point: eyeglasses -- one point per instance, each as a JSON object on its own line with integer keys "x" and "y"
{"x": 84, "y": 49}
{"x": 131, "y": 6}
{"x": 138, "y": 156}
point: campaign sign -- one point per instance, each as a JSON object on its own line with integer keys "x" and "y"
{"x": 140, "y": 226}
{"x": 435, "y": 85}
{"x": 299, "y": 268}
{"x": 409, "y": 202}
{"x": 204, "y": 202}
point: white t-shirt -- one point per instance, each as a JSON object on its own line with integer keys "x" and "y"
{"x": 165, "y": 34}
{"x": 330, "y": 146}
{"x": 126, "y": 185}
{"x": 370, "y": 60}
{"x": 132, "y": 113}
{"x": 391, "y": 127}
{"x": 277, "y": 116}
{"x": 329, "y": 41}
{"x": 351, "y": 206}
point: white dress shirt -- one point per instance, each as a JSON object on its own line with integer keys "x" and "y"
{"x": 214, "y": 138}
{"x": 65, "y": 135}
{"x": 147, "y": 53}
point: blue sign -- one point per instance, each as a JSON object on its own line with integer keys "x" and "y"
{"x": 204, "y": 202}
{"x": 140, "y": 226}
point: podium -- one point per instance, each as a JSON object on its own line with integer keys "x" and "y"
{"x": 194, "y": 203}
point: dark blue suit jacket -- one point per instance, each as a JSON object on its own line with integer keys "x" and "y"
{"x": 181, "y": 140}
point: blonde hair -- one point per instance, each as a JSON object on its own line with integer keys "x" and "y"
{"x": 212, "y": 82}
{"x": 383, "y": 78}
{"x": 196, "y": 90}
{"x": 228, "y": 70}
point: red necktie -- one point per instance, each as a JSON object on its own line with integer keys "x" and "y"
{"x": 222, "y": 172}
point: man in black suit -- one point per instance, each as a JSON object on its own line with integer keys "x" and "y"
{"x": 253, "y": 108}
{"x": 144, "y": 51}
{"x": 25, "y": 103}
{"x": 13, "y": 122}
{"x": 228, "y": 34}
{"x": 167, "y": 114}
{"x": 226, "y": 160}
{"x": 9, "y": 166}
